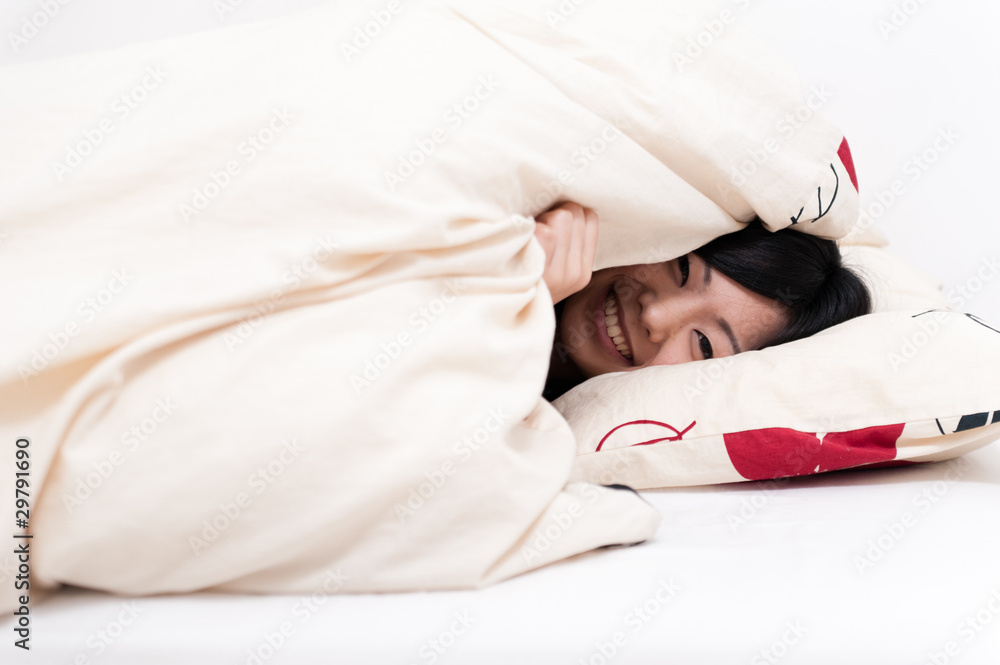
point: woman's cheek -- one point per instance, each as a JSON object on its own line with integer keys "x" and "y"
{"x": 625, "y": 292}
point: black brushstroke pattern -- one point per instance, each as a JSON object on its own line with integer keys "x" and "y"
{"x": 971, "y": 316}
{"x": 972, "y": 421}
{"x": 982, "y": 323}
{"x": 928, "y": 312}
{"x": 819, "y": 200}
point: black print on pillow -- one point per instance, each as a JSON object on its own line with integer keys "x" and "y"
{"x": 971, "y": 316}
{"x": 819, "y": 200}
{"x": 972, "y": 421}
{"x": 982, "y": 323}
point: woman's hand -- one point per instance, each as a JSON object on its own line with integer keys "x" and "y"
{"x": 568, "y": 234}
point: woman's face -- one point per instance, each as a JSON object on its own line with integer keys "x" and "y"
{"x": 663, "y": 314}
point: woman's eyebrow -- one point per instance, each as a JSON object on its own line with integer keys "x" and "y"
{"x": 729, "y": 333}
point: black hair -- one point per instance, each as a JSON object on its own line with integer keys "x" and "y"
{"x": 803, "y": 272}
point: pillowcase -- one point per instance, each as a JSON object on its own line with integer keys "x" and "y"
{"x": 909, "y": 383}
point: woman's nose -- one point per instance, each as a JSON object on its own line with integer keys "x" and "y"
{"x": 664, "y": 314}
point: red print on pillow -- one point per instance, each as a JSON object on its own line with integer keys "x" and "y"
{"x": 844, "y": 152}
{"x": 678, "y": 435}
{"x": 777, "y": 452}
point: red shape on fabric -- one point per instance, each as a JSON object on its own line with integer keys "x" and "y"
{"x": 844, "y": 152}
{"x": 778, "y": 452}
{"x": 678, "y": 434}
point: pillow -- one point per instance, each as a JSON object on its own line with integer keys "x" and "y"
{"x": 894, "y": 387}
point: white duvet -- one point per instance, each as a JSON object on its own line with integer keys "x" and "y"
{"x": 273, "y": 311}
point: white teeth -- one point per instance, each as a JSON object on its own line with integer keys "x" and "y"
{"x": 614, "y": 330}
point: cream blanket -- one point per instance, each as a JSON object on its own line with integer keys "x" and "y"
{"x": 273, "y": 310}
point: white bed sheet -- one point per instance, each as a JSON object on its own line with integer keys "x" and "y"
{"x": 934, "y": 597}
{"x": 786, "y": 580}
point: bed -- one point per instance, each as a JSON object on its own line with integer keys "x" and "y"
{"x": 820, "y": 570}
{"x": 893, "y": 565}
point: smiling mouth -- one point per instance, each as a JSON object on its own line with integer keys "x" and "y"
{"x": 613, "y": 325}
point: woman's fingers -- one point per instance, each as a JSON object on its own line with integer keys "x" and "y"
{"x": 568, "y": 234}
{"x": 590, "y": 244}
{"x": 574, "y": 253}
{"x": 586, "y": 248}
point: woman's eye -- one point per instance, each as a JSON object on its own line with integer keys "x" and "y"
{"x": 685, "y": 267}
{"x": 704, "y": 345}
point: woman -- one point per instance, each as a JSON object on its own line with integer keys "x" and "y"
{"x": 745, "y": 290}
